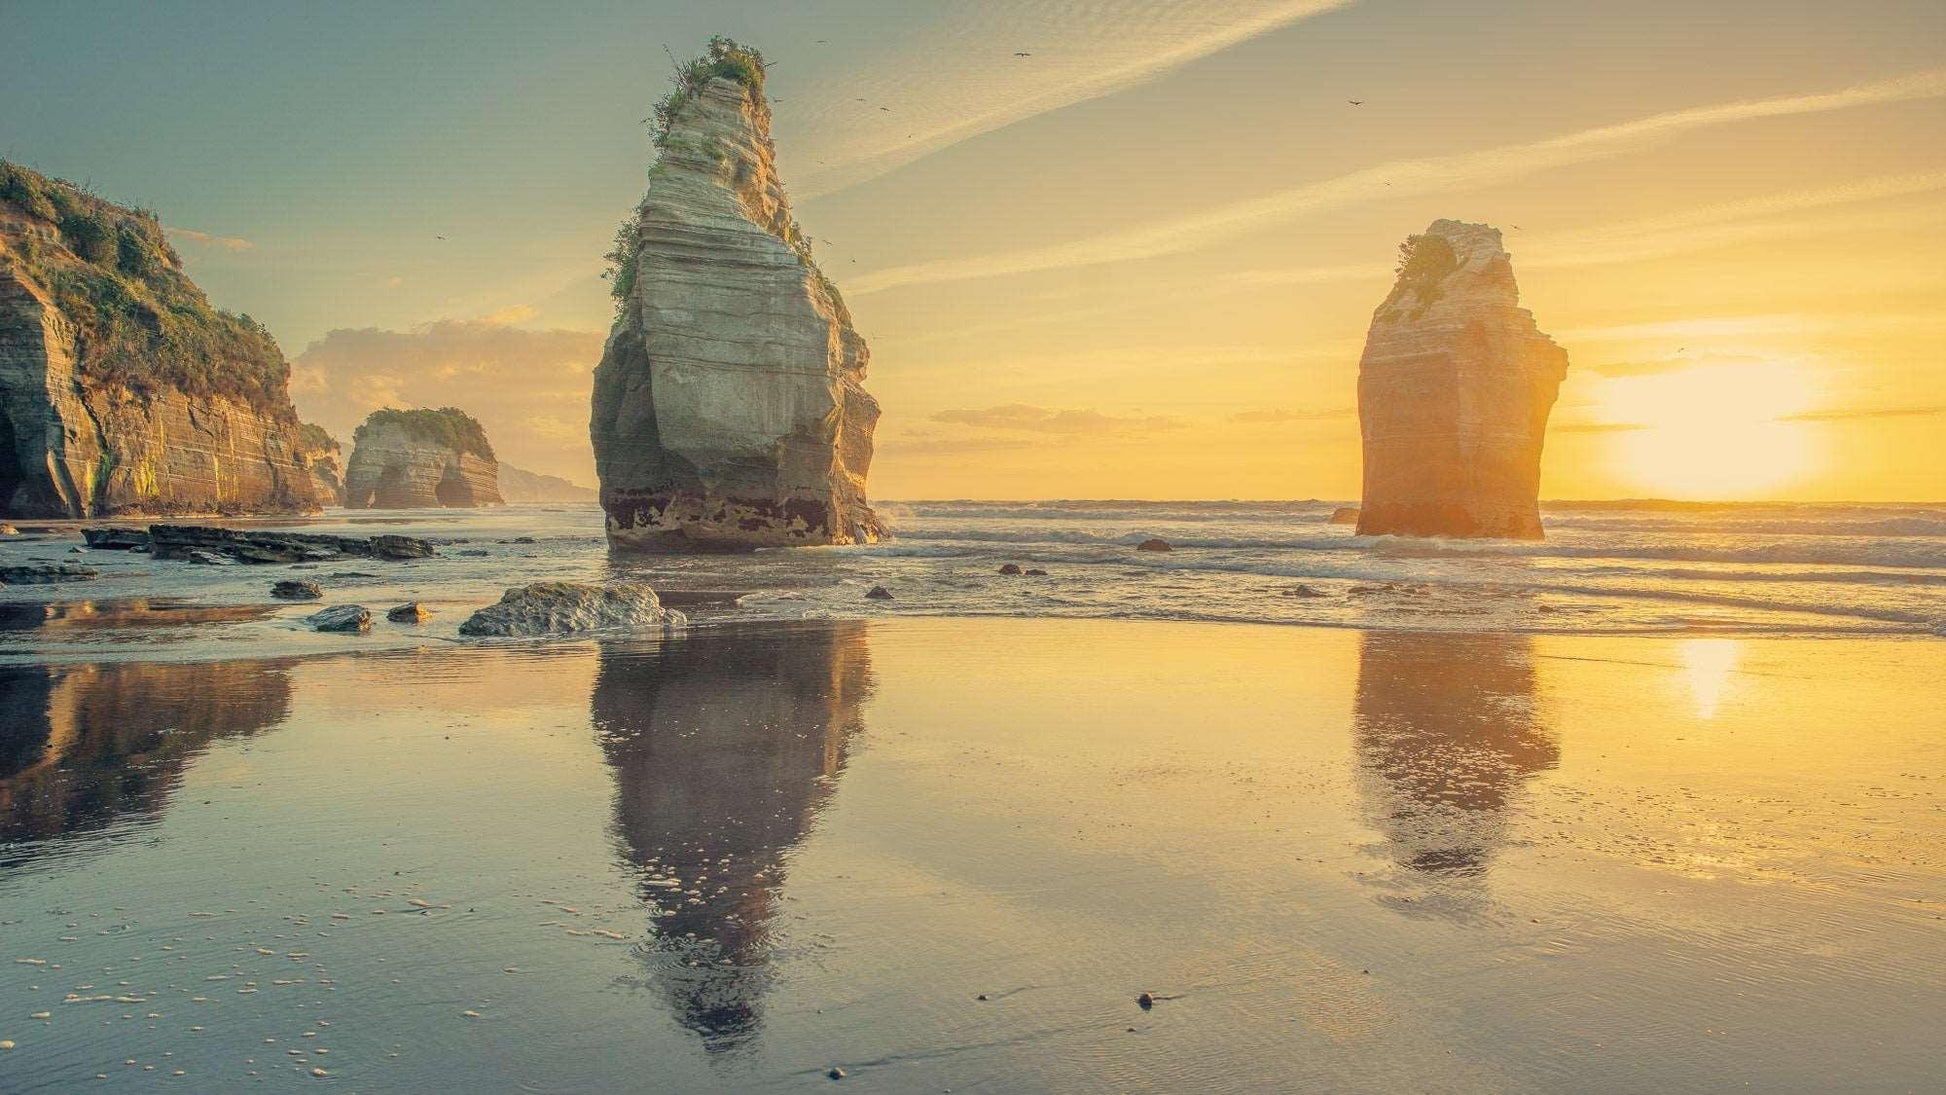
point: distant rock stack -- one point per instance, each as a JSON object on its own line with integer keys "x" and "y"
{"x": 729, "y": 407}
{"x": 1453, "y": 394}
{"x": 121, "y": 390}
{"x": 421, "y": 458}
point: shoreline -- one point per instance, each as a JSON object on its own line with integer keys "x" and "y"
{"x": 280, "y": 620}
{"x": 1282, "y": 568}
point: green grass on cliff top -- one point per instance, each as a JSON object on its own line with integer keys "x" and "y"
{"x": 726, "y": 59}
{"x": 141, "y": 323}
{"x": 449, "y": 427}
{"x": 312, "y": 437}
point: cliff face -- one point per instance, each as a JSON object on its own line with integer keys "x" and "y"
{"x": 318, "y": 453}
{"x": 729, "y": 407}
{"x": 121, "y": 389}
{"x": 411, "y": 459}
{"x": 1454, "y": 390}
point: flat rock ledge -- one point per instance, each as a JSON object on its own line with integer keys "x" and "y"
{"x": 184, "y": 542}
{"x": 566, "y": 608}
{"x": 41, "y": 574}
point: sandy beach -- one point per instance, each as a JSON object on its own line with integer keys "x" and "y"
{"x": 950, "y": 854}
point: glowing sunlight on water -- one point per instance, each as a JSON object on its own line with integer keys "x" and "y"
{"x": 1707, "y": 665}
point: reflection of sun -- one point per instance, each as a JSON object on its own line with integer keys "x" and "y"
{"x": 1707, "y": 664}
{"x": 1712, "y": 431}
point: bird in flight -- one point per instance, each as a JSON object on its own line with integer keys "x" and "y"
{"x": 439, "y": 237}
{"x": 1356, "y": 102}
{"x": 1023, "y": 54}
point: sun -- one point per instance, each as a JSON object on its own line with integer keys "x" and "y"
{"x": 1718, "y": 432}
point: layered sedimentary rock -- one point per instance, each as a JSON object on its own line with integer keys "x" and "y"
{"x": 319, "y": 453}
{"x": 121, "y": 389}
{"x": 1453, "y": 394}
{"x": 519, "y": 485}
{"x": 729, "y": 407}
{"x": 409, "y": 459}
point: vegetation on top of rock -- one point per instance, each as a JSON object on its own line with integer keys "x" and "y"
{"x": 140, "y": 322}
{"x": 623, "y": 259}
{"x": 726, "y": 59}
{"x": 448, "y": 426}
{"x": 1424, "y": 261}
{"x": 312, "y": 437}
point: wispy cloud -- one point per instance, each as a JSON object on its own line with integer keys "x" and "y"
{"x": 510, "y": 315}
{"x": 925, "y": 443}
{"x": 1718, "y": 225}
{"x": 1279, "y": 414}
{"x": 1022, "y": 416}
{"x": 945, "y": 92}
{"x": 206, "y": 239}
{"x": 1753, "y": 326}
{"x": 1391, "y": 180}
{"x": 1875, "y": 412}
{"x": 1695, "y": 229}
{"x": 1595, "y": 427}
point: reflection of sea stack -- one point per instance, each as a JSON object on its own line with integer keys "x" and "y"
{"x": 729, "y": 407}
{"x": 725, "y": 748}
{"x": 1446, "y": 733}
{"x": 82, "y": 746}
{"x": 1454, "y": 391}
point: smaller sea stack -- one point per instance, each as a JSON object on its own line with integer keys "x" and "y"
{"x": 421, "y": 458}
{"x": 1454, "y": 391}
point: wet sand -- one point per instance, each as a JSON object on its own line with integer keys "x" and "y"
{"x": 1342, "y": 861}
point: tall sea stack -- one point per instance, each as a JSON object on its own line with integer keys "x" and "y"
{"x": 1453, "y": 394}
{"x": 729, "y": 407}
{"x": 121, "y": 390}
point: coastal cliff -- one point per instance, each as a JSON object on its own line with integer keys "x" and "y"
{"x": 1454, "y": 391}
{"x": 417, "y": 458}
{"x": 319, "y": 453}
{"x": 121, "y": 390}
{"x": 729, "y": 409}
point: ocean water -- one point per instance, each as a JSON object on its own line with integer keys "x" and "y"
{"x": 1608, "y": 568}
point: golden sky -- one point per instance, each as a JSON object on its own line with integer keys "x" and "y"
{"x": 1138, "y": 262}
